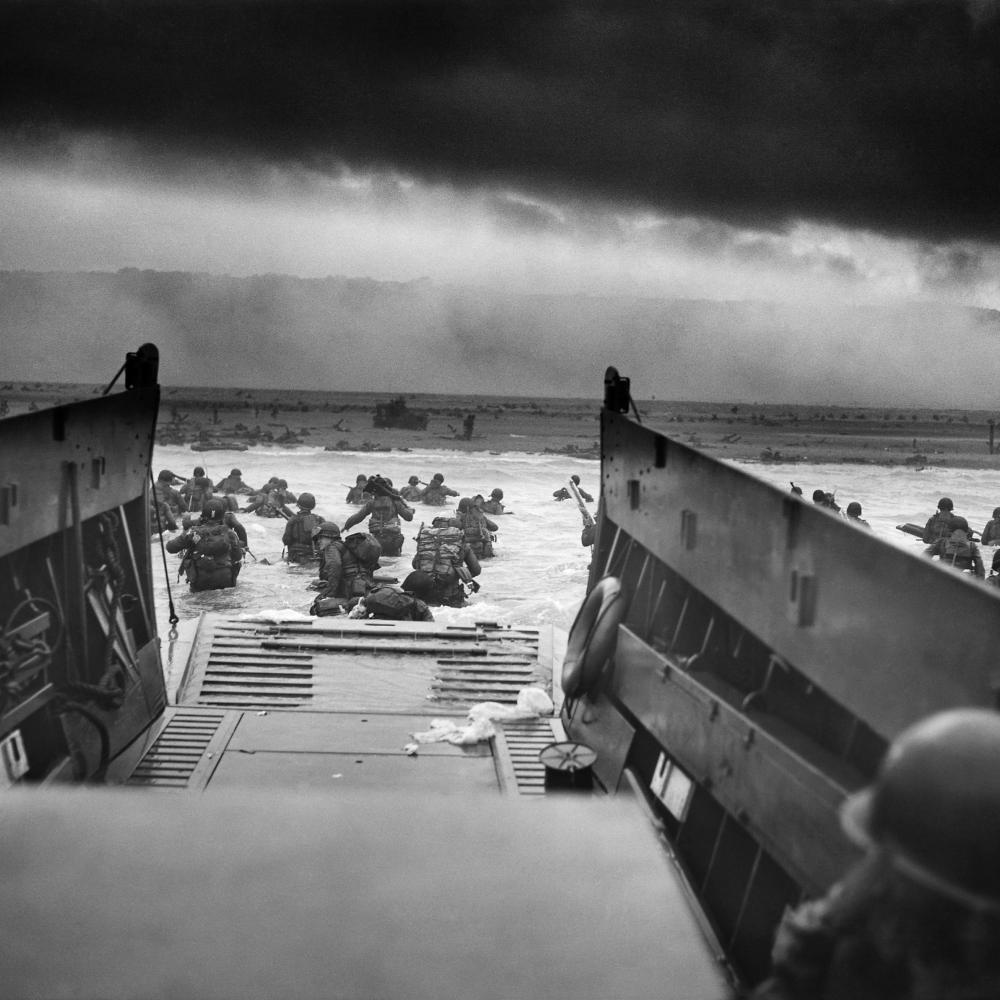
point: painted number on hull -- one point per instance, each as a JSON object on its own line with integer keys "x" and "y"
{"x": 672, "y": 787}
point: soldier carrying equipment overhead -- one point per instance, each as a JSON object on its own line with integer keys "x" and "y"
{"x": 384, "y": 511}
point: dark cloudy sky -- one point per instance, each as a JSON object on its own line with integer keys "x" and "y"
{"x": 812, "y": 151}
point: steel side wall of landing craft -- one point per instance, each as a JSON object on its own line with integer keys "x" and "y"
{"x": 890, "y": 635}
{"x": 108, "y": 441}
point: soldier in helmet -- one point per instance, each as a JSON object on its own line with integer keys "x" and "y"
{"x": 233, "y": 483}
{"x": 919, "y": 916}
{"x": 357, "y": 494}
{"x": 164, "y": 492}
{"x": 495, "y": 503}
{"x": 854, "y": 515}
{"x": 212, "y": 555}
{"x": 564, "y": 494}
{"x": 323, "y": 538}
{"x": 957, "y": 549}
{"x": 384, "y": 510}
{"x": 437, "y": 493}
{"x": 197, "y": 490}
{"x": 298, "y": 534}
{"x": 412, "y": 490}
{"x": 347, "y": 567}
{"x": 939, "y": 523}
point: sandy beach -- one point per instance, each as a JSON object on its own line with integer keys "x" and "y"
{"x": 210, "y": 418}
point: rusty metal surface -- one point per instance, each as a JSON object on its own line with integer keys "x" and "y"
{"x": 859, "y": 617}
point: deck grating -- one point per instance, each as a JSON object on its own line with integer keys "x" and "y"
{"x": 171, "y": 760}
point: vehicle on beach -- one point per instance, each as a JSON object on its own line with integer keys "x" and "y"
{"x": 396, "y": 413}
{"x": 227, "y": 444}
{"x": 282, "y": 824}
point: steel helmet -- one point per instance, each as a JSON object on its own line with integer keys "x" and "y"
{"x": 497, "y": 494}
{"x": 198, "y": 471}
{"x": 413, "y": 480}
{"x": 945, "y": 503}
{"x": 307, "y": 501}
{"x": 934, "y": 806}
{"x": 213, "y": 510}
{"x": 328, "y": 529}
{"x": 854, "y": 508}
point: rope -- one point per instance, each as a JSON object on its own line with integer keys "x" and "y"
{"x": 115, "y": 379}
{"x": 173, "y": 619}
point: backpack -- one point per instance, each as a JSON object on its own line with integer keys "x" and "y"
{"x": 324, "y": 607}
{"x": 302, "y": 527}
{"x": 384, "y": 602}
{"x": 365, "y": 548}
{"x": 957, "y": 547}
{"x": 439, "y": 552}
{"x": 210, "y": 561}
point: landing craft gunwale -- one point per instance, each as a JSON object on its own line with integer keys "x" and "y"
{"x": 754, "y": 666}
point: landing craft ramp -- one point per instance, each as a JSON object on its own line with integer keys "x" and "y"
{"x": 335, "y": 702}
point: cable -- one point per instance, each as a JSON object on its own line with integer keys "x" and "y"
{"x": 173, "y": 619}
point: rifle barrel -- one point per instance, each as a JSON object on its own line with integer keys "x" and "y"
{"x": 588, "y": 518}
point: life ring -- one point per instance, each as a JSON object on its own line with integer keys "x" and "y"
{"x": 593, "y": 636}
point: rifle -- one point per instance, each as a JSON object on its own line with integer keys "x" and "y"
{"x": 588, "y": 518}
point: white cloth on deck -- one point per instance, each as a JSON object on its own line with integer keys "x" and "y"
{"x": 532, "y": 702}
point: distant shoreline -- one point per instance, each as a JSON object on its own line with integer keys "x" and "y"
{"x": 751, "y": 433}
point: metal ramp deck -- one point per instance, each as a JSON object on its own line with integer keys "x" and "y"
{"x": 318, "y": 704}
{"x": 358, "y": 665}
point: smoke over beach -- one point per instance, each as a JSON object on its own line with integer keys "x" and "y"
{"x": 321, "y": 334}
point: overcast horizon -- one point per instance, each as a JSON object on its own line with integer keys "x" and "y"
{"x": 818, "y": 155}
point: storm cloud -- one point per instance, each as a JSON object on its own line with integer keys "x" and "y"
{"x": 871, "y": 115}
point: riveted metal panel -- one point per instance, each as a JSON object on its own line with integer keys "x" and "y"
{"x": 108, "y": 442}
{"x": 783, "y": 788}
{"x": 857, "y": 616}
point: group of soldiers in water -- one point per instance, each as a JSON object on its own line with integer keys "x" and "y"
{"x": 948, "y": 537}
{"x": 213, "y": 541}
{"x": 946, "y": 534}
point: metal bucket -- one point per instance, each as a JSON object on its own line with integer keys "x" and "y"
{"x": 568, "y": 766}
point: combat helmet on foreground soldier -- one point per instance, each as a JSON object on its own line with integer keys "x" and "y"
{"x": 919, "y": 916}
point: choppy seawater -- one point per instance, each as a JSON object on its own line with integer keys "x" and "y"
{"x": 539, "y": 573}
